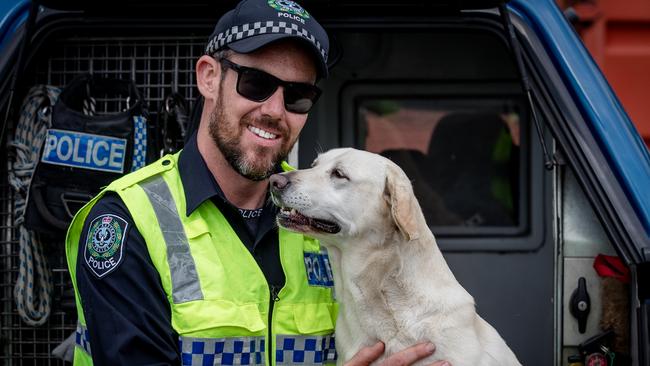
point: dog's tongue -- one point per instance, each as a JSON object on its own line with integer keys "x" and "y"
{"x": 300, "y": 219}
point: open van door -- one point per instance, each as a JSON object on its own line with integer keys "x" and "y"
{"x": 525, "y": 164}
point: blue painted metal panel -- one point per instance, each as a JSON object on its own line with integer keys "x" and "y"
{"x": 13, "y": 13}
{"x": 613, "y": 128}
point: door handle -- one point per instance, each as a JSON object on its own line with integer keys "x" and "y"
{"x": 580, "y": 304}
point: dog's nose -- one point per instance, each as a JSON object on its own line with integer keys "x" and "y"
{"x": 279, "y": 182}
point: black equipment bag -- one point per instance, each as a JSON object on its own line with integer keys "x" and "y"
{"x": 173, "y": 121}
{"x": 84, "y": 151}
{"x": 194, "y": 118}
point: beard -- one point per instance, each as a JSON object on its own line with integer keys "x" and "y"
{"x": 256, "y": 164}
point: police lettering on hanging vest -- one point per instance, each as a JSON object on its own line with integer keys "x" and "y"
{"x": 84, "y": 150}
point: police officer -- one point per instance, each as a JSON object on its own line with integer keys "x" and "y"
{"x": 181, "y": 261}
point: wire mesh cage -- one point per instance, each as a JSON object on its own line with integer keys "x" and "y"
{"x": 159, "y": 66}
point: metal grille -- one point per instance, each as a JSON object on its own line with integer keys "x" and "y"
{"x": 158, "y": 66}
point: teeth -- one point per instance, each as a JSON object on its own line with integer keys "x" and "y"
{"x": 290, "y": 211}
{"x": 261, "y": 133}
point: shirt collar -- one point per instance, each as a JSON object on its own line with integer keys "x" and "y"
{"x": 198, "y": 183}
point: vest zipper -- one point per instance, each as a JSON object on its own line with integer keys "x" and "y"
{"x": 274, "y": 290}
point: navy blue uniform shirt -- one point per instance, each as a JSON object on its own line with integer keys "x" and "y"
{"x": 127, "y": 312}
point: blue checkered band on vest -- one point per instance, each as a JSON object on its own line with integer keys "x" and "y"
{"x": 305, "y": 350}
{"x": 251, "y": 29}
{"x": 222, "y": 351}
{"x": 81, "y": 338}
{"x": 139, "y": 142}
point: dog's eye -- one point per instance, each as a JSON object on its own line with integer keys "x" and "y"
{"x": 337, "y": 173}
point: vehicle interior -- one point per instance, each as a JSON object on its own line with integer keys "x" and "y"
{"x": 435, "y": 88}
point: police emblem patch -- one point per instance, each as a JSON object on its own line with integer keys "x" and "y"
{"x": 104, "y": 244}
{"x": 289, "y": 6}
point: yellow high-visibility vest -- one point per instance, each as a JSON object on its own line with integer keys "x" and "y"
{"x": 221, "y": 304}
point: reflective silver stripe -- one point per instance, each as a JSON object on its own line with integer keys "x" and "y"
{"x": 305, "y": 350}
{"x": 222, "y": 351}
{"x": 81, "y": 338}
{"x": 185, "y": 280}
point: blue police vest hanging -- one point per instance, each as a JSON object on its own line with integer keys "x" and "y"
{"x": 85, "y": 149}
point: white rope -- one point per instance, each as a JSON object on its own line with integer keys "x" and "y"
{"x": 33, "y": 288}
{"x": 33, "y": 298}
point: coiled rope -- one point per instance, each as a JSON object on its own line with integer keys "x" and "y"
{"x": 33, "y": 288}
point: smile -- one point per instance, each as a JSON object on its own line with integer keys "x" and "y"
{"x": 261, "y": 133}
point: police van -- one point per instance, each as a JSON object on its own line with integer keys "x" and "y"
{"x": 527, "y": 167}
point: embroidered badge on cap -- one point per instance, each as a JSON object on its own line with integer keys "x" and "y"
{"x": 289, "y": 7}
{"x": 319, "y": 272}
{"x": 104, "y": 244}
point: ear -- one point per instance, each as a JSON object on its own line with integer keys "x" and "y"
{"x": 403, "y": 205}
{"x": 208, "y": 75}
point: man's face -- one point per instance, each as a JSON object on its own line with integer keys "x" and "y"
{"x": 255, "y": 136}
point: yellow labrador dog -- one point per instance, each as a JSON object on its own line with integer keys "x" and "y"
{"x": 389, "y": 275}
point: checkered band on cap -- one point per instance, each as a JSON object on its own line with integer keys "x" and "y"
{"x": 240, "y": 32}
{"x": 305, "y": 350}
{"x": 222, "y": 351}
{"x": 81, "y": 338}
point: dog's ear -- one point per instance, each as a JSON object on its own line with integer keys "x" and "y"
{"x": 404, "y": 207}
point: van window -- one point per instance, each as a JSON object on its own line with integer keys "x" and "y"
{"x": 462, "y": 156}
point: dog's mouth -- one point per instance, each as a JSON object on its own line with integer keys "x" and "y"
{"x": 290, "y": 218}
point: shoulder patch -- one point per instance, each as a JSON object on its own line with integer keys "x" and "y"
{"x": 103, "y": 247}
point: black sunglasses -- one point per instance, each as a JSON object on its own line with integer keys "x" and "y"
{"x": 258, "y": 86}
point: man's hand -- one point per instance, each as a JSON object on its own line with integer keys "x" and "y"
{"x": 368, "y": 355}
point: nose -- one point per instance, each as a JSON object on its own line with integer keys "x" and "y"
{"x": 274, "y": 106}
{"x": 279, "y": 182}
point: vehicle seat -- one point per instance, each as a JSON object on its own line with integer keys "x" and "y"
{"x": 465, "y": 170}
